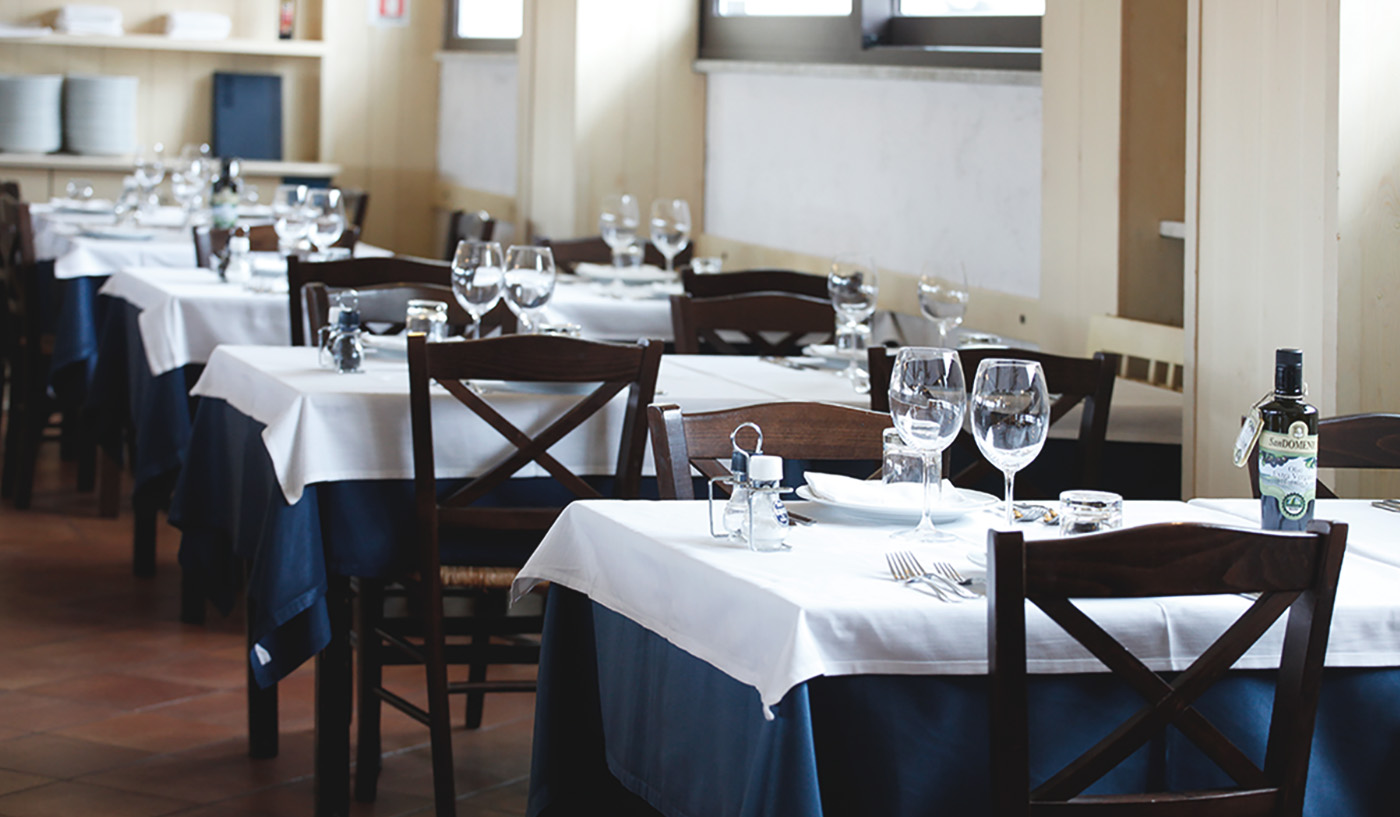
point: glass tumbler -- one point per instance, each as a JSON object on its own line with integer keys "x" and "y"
{"x": 902, "y": 463}
{"x": 427, "y": 318}
{"x": 1090, "y": 511}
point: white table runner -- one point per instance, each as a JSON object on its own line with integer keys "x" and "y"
{"x": 324, "y": 427}
{"x": 828, "y": 607}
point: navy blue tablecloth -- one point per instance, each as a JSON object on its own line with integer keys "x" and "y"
{"x": 76, "y": 314}
{"x": 622, "y": 713}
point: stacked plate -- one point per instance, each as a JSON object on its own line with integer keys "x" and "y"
{"x": 99, "y": 114}
{"x": 29, "y": 113}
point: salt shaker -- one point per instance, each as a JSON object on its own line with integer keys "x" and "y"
{"x": 766, "y": 521}
{"x": 347, "y": 351}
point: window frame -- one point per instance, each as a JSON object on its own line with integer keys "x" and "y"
{"x": 451, "y": 42}
{"x": 874, "y": 33}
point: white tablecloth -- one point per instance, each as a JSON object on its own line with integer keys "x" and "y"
{"x": 828, "y": 606}
{"x": 324, "y": 427}
{"x": 607, "y": 313}
{"x": 1374, "y": 533}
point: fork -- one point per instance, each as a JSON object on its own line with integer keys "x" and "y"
{"x": 951, "y": 573}
{"x": 1392, "y": 505}
{"x": 905, "y": 568}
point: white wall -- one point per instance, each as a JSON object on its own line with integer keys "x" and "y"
{"x": 905, "y": 170}
{"x": 477, "y": 122}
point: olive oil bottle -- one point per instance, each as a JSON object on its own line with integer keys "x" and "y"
{"x": 1287, "y": 449}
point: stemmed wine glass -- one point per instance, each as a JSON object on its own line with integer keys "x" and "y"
{"x": 618, "y": 223}
{"x": 943, "y": 300}
{"x": 670, "y": 228}
{"x": 291, "y": 220}
{"x": 529, "y": 283}
{"x": 1010, "y": 415}
{"x": 149, "y": 172}
{"x": 854, "y": 287}
{"x": 477, "y": 270}
{"x": 927, "y": 400}
{"x": 327, "y": 217}
{"x": 187, "y": 183}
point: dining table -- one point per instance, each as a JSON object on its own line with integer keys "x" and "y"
{"x": 699, "y": 677}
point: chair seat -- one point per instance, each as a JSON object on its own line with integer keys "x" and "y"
{"x": 478, "y": 578}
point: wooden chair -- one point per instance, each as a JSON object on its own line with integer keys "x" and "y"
{"x": 756, "y": 280}
{"x": 463, "y": 226}
{"x": 209, "y": 243}
{"x": 1071, "y": 381}
{"x": 1368, "y": 441}
{"x": 805, "y": 431}
{"x": 1148, "y": 352}
{"x": 594, "y": 250}
{"x": 28, "y": 349}
{"x": 356, "y": 201}
{"x": 356, "y": 273}
{"x": 617, "y": 368}
{"x": 385, "y": 306}
{"x": 797, "y": 318}
{"x": 1294, "y": 574}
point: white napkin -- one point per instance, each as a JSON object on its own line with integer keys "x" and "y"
{"x": 198, "y": 25}
{"x": 872, "y": 493}
{"x": 86, "y": 19}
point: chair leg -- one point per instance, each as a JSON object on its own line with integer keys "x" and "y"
{"x": 31, "y": 431}
{"x": 487, "y": 607}
{"x": 369, "y": 610}
{"x": 14, "y": 420}
{"x": 439, "y": 715}
{"x": 109, "y": 483}
{"x": 143, "y": 545}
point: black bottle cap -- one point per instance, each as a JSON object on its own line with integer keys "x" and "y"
{"x": 1288, "y": 372}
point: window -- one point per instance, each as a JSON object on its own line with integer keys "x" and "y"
{"x": 1001, "y": 34}
{"x": 484, "y": 25}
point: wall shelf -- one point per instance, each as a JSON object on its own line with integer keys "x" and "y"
{"x": 123, "y": 164}
{"x": 156, "y": 42}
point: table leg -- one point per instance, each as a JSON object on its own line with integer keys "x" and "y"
{"x": 262, "y": 702}
{"x": 109, "y": 483}
{"x": 333, "y": 683}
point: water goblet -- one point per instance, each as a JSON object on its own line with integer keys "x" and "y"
{"x": 529, "y": 283}
{"x": 149, "y": 172}
{"x": 477, "y": 272}
{"x": 927, "y": 399}
{"x": 327, "y": 217}
{"x": 854, "y": 286}
{"x": 618, "y": 222}
{"x": 1010, "y": 415}
{"x": 943, "y": 300}
{"x": 670, "y": 228}
{"x": 291, "y": 221}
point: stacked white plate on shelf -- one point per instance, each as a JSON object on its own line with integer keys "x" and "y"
{"x": 99, "y": 114}
{"x": 29, "y": 113}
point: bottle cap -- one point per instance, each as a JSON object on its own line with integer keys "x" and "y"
{"x": 765, "y": 468}
{"x": 1288, "y": 371}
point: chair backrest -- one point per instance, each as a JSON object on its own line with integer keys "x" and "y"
{"x": 356, "y": 201}
{"x": 209, "y": 242}
{"x": 594, "y": 250}
{"x": 1149, "y": 352}
{"x": 793, "y": 431}
{"x": 357, "y": 273}
{"x": 1072, "y": 381}
{"x": 615, "y": 367}
{"x": 698, "y": 322}
{"x": 1370, "y": 441}
{"x": 755, "y": 280}
{"x": 386, "y": 306}
{"x": 464, "y": 225}
{"x": 1293, "y": 573}
{"x": 21, "y": 324}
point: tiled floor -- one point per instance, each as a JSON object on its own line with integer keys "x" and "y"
{"x": 109, "y": 706}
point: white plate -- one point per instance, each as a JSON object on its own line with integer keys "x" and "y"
{"x": 971, "y": 501}
{"x": 89, "y": 207}
{"x": 119, "y": 233}
{"x": 627, "y": 275}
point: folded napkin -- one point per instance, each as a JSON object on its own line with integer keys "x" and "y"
{"x": 9, "y": 31}
{"x": 85, "y": 19}
{"x": 872, "y": 493}
{"x": 198, "y": 25}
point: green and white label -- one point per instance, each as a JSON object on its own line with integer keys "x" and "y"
{"x": 1288, "y": 468}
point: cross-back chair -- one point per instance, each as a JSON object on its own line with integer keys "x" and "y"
{"x": 794, "y": 319}
{"x": 385, "y": 306}
{"x": 27, "y": 348}
{"x": 356, "y": 273}
{"x": 570, "y": 252}
{"x": 1071, "y": 381}
{"x": 469, "y": 514}
{"x": 793, "y": 431}
{"x": 467, "y": 225}
{"x": 356, "y": 201}
{"x": 1294, "y": 574}
{"x": 754, "y": 280}
{"x": 1370, "y": 441}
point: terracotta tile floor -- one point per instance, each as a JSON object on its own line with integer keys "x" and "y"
{"x": 109, "y": 706}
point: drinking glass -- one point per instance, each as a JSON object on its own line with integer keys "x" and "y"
{"x": 327, "y": 217}
{"x": 1010, "y": 415}
{"x": 943, "y": 300}
{"x": 291, "y": 219}
{"x": 529, "y": 282}
{"x": 187, "y": 183}
{"x": 670, "y": 228}
{"x": 78, "y": 190}
{"x": 854, "y": 287}
{"x": 477, "y": 270}
{"x": 927, "y": 400}
{"x": 149, "y": 172}
{"x": 618, "y": 223}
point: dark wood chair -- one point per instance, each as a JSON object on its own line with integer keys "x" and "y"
{"x": 793, "y": 431}
{"x": 28, "y": 349}
{"x": 594, "y": 250}
{"x": 465, "y": 225}
{"x": 1370, "y": 441}
{"x": 796, "y": 319}
{"x": 356, "y": 273}
{"x": 617, "y": 368}
{"x": 1294, "y": 574}
{"x": 1071, "y": 381}
{"x": 755, "y": 280}
{"x": 209, "y": 243}
{"x": 356, "y": 201}
{"x": 384, "y": 306}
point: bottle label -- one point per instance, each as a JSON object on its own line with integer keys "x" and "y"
{"x": 1288, "y": 469}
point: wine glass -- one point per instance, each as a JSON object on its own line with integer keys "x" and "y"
{"x": 187, "y": 183}
{"x": 529, "y": 282}
{"x": 149, "y": 172}
{"x": 670, "y": 228}
{"x": 927, "y": 400}
{"x": 327, "y": 217}
{"x": 854, "y": 287}
{"x": 291, "y": 221}
{"x": 618, "y": 223}
{"x": 943, "y": 300}
{"x": 1010, "y": 415}
{"x": 477, "y": 270}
